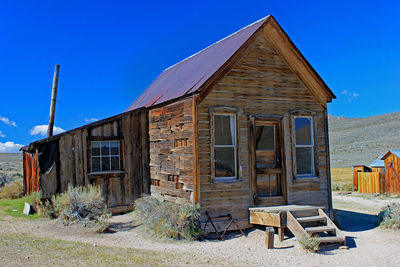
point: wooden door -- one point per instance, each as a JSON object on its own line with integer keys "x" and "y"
{"x": 268, "y": 172}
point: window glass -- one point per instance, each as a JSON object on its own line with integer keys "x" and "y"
{"x": 105, "y": 156}
{"x": 96, "y": 164}
{"x": 95, "y": 148}
{"x": 224, "y": 162}
{"x": 304, "y": 158}
{"x": 224, "y": 129}
{"x": 303, "y": 131}
{"x": 105, "y": 148}
{"x": 265, "y": 137}
{"x": 114, "y": 163}
{"x": 114, "y": 145}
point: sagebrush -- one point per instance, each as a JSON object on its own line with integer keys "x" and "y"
{"x": 79, "y": 205}
{"x": 12, "y": 190}
{"x": 390, "y": 216}
{"x": 310, "y": 243}
{"x": 169, "y": 219}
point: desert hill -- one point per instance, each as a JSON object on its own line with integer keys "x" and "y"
{"x": 360, "y": 140}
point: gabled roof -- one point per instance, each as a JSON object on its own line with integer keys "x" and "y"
{"x": 378, "y": 162}
{"x": 188, "y": 76}
{"x": 395, "y": 152}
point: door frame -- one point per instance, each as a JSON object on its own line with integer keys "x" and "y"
{"x": 273, "y": 200}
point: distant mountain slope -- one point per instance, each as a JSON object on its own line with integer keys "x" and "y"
{"x": 360, "y": 140}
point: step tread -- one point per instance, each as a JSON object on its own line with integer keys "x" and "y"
{"x": 317, "y": 229}
{"x": 311, "y": 218}
{"x": 330, "y": 239}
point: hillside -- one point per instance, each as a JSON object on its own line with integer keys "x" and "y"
{"x": 360, "y": 140}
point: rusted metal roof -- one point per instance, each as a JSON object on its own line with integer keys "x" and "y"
{"x": 190, "y": 74}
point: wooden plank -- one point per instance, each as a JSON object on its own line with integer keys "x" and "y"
{"x": 264, "y": 218}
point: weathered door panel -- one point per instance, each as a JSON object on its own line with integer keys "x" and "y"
{"x": 268, "y": 173}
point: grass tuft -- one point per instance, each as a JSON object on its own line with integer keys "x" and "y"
{"x": 310, "y": 243}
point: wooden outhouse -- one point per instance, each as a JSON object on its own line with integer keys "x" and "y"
{"x": 392, "y": 172}
{"x": 241, "y": 123}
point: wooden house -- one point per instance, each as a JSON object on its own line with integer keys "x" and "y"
{"x": 242, "y": 123}
{"x": 392, "y": 170}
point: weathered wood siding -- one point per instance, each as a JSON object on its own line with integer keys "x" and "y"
{"x": 31, "y": 172}
{"x": 260, "y": 83}
{"x": 171, "y": 151}
{"x": 392, "y": 175}
{"x": 120, "y": 188}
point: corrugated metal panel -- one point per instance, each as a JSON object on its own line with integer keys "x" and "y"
{"x": 378, "y": 162}
{"x": 190, "y": 74}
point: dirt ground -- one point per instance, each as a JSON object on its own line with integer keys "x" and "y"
{"x": 368, "y": 244}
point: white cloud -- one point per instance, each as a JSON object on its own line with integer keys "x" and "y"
{"x": 91, "y": 120}
{"x": 1, "y": 134}
{"x": 42, "y": 130}
{"x": 349, "y": 96}
{"x": 9, "y": 147}
{"x": 8, "y": 121}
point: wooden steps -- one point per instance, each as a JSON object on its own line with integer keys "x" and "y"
{"x": 319, "y": 229}
{"x": 318, "y": 224}
{"x": 311, "y": 219}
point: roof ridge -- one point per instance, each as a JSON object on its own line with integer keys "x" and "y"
{"x": 183, "y": 60}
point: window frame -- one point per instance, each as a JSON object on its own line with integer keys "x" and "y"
{"x": 312, "y": 146}
{"x": 109, "y": 140}
{"x": 224, "y": 111}
{"x": 309, "y": 177}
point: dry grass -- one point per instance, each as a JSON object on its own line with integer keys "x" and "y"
{"x": 342, "y": 179}
{"x": 22, "y": 249}
{"x": 12, "y": 190}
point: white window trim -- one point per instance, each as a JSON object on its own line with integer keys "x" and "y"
{"x": 234, "y": 145}
{"x": 109, "y": 155}
{"x": 312, "y": 146}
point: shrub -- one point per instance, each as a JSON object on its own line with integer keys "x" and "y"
{"x": 310, "y": 243}
{"x": 79, "y": 205}
{"x": 169, "y": 219}
{"x": 389, "y": 216}
{"x": 12, "y": 191}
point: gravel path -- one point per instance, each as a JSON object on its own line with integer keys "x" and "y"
{"x": 368, "y": 245}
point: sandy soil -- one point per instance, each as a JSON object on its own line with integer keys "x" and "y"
{"x": 368, "y": 245}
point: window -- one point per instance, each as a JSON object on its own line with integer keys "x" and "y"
{"x": 225, "y": 148}
{"x": 265, "y": 138}
{"x": 304, "y": 144}
{"x": 105, "y": 156}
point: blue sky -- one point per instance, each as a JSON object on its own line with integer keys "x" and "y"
{"x": 110, "y": 51}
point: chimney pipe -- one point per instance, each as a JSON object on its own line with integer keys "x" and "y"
{"x": 53, "y": 100}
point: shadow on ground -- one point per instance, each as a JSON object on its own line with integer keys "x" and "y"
{"x": 352, "y": 221}
{"x": 120, "y": 227}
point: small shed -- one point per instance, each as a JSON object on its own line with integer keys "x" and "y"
{"x": 392, "y": 169}
{"x": 357, "y": 169}
{"x": 112, "y": 153}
